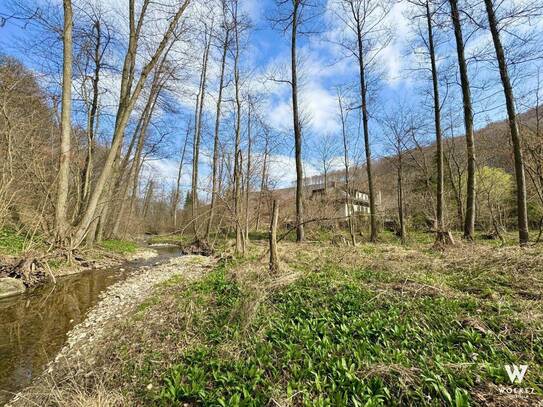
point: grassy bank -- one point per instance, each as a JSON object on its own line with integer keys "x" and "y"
{"x": 13, "y": 243}
{"x": 119, "y": 246}
{"x": 374, "y": 325}
{"x": 16, "y": 245}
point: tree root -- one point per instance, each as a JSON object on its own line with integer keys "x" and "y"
{"x": 30, "y": 269}
{"x": 198, "y": 247}
{"x": 443, "y": 239}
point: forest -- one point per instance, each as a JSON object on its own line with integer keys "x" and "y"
{"x": 271, "y": 202}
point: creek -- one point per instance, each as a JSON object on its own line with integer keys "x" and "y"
{"x": 33, "y": 325}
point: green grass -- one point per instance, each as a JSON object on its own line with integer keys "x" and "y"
{"x": 11, "y": 243}
{"x": 342, "y": 334}
{"x": 328, "y": 341}
{"x": 119, "y": 246}
{"x": 368, "y": 326}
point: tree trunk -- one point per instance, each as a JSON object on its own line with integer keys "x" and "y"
{"x": 177, "y": 193}
{"x": 274, "y": 258}
{"x": 140, "y": 134}
{"x": 197, "y": 134}
{"x": 248, "y": 178}
{"x": 457, "y": 195}
{"x": 263, "y": 184}
{"x": 365, "y": 119}
{"x": 522, "y": 209}
{"x": 437, "y": 120}
{"x": 401, "y": 211}
{"x": 347, "y": 180}
{"x": 102, "y": 218}
{"x": 150, "y": 190}
{"x": 469, "y": 220}
{"x": 237, "y": 149}
{"x": 61, "y": 222}
{"x": 297, "y": 127}
{"x": 127, "y": 100}
{"x": 216, "y": 140}
{"x": 88, "y": 166}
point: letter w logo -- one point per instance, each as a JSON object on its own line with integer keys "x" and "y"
{"x": 516, "y": 374}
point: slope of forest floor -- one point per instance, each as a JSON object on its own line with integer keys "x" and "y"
{"x": 372, "y": 325}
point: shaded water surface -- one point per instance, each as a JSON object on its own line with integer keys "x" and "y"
{"x": 33, "y": 325}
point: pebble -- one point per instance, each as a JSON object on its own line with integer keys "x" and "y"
{"x": 117, "y": 301}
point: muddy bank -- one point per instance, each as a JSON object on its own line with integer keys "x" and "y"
{"x": 115, "y": 304}
{"x": 17, "y": 274}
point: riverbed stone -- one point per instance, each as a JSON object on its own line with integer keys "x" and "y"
{"x": 11, "y": 286}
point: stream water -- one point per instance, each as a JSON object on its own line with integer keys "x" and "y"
{"x": 33, "y": 326}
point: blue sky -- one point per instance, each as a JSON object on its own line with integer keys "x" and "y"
{"x": 323, "y": 68}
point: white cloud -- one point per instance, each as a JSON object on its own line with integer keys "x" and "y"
{"x": 282, "y": 170}
{"x": 322, "y": 108}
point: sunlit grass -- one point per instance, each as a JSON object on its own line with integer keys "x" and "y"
{"x": 119, "y": 246}
{"x": 373, "y": 325}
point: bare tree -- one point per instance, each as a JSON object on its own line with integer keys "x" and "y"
{"x": 326, "y": 150}
{"x": 365, "y": 19}
{"x": 96, "y": 43}
{"x": 456, "y": 168}
{"x": 200, "y": 97}
{"x": 522, "y": 208}
{"x": 66, "y": 126}
{"x": 274, "y": 258}
{"x": 398, "y": 129}
{"x": 348, "y": 191}
{"x": 533, "y": 145}
{"x": 264, "y": 174}
{"x": 128, "y": 170}
{"x": 250, "y": 113}
{"x": 292, "y": 20}
{"x": 238, "y": 29}
{"x": 226, "y": 32}
{"x": 177, "y": 193}
{"x": 442, "y": 237}
{"x": 469, "y": 220}
{"x": 129, "y": 94}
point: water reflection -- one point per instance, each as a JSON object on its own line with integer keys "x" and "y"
{"x": 33, "y": 326}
